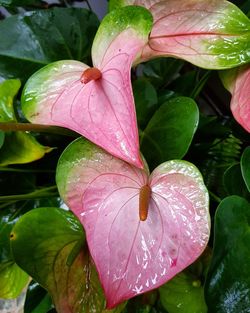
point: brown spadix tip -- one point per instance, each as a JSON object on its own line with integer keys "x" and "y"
{"x": 144, "y": 198}
{"x": 89, "y": 74}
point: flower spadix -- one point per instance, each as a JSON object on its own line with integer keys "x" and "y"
{"x": 141, "y": 228}
{"x": 95, "y": 102}
{"x": 237, "y": 81}
{"x": 211, "y": 34}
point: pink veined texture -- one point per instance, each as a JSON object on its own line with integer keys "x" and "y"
{"x": 134, "y": 256}
{"x": 185, "y": 30}
{"x": 103, "y": 110}
{"x": 240, "y": 103}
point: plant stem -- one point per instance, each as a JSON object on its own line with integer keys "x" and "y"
{"x": 89, "y": 6}
{"x": 21, "y": 170}
{"x": 216, "y": 198}
{"x": 37, "y": 128}
{"x": 41, "y": 193}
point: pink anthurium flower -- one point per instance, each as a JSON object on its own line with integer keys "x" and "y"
{"x": 212, "y": 34}
{"x": 141, "y": 229}
{"x": 237, "y": 81}
{"x": 95, "y": 102}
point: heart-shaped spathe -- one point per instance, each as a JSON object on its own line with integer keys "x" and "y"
{"x": 96, "y": 102}
{"x": 211, "y": 34}
{"x": 134, "y": 256}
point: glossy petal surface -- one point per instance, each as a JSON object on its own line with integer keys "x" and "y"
{"x": 102, "y": 110}
{"x": 237, "y": 81}
{"x": 211, "y": 34}
{"x": 132, "y": 256}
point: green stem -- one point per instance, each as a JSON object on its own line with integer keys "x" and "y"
{"x": 216, "y": 198}
{"x": 21, "y": 170}
{"x": 4, "y": 205}
{"x": 42, "y": 193}
{"x": 11, "y": 126}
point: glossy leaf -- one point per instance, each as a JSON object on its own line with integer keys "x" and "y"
{"x": 145, "y": 101}
{"x": 56, "y": 259}
{"x": 245, "y": 167}
{"x": 20, "y": 148}
{"x": 234, "y": 182}
{"x": 100, "y": 109}
{"x": 134, "y": 256}
{"x": 12, "y": 279}
{"x": 237, "y": 81}
{"x": 228, "y": 278}
{"x": 37, "y": 299}
{"x": 25, "y": 45}
{"x": 183, "y": 294}
{"x": 169, "y": 133}
{"x": 8, "y": 90}
{"x": 210, "y": 34}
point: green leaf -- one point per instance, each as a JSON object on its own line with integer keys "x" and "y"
{"x": 49, "y": 243}
{"x": 228, "y": 279}
{"x": 234, "y": 183}
{"x": 2, "y": 135}
{"x": 8, "y": 90}
{"x": 145, "y": 101}
{"x": 10, "y": 3}
{"x": 37, "y": 299}
{"x": 19, "y": 148}
{"x": 34, "y": 39}
{"x": 162, "y": 71}
{"x": 169, "y": 133}
{"x": 245, "y": 166}
{"x": 183, "y": 294}
{"x": 12, "y": 278}
{"x": 142, "y": 304}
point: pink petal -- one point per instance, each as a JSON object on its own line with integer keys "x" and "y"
{"x": 240, "y": 89}
{"x": 134, "y": 256}
{"x": 209, "y": 34}
{"x": 101, "y": 110}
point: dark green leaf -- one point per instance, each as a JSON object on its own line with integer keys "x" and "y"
{"x": 169, "y": 133}
{"x": 162, "y": 71}
{"x": 184, "y": 85}
{"x": 234, "y": 183}
{"x": 142, "y": 304}
{"x": 228, "y": 280}
{"x": 37, "y": 38}
{"x": 37, "y": 299}
{"x": 9, "y": 3}
{"x": 43, "y": 241}
{"x": 145, "y": 101}
{"x": 245, "y": 166}
{"x": 183, "y": 294}
{"x": 1, "y": 138}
